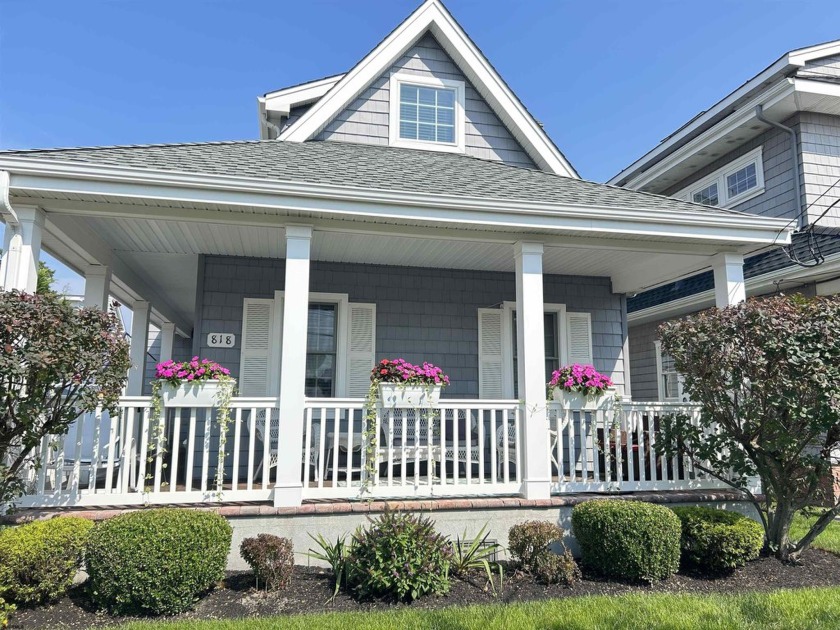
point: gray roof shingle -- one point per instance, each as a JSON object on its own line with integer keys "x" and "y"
{"x": 372, "y": 167}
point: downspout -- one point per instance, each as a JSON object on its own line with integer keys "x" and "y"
{"x": 794, "y": 153}
{"x": 10, "y": 218}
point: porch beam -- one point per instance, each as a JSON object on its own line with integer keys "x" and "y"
{"x": 729, "y": 279}
{"x": 530, "y": 337}
{"x": 22, "y": 250}
{"x": 97, "y": 286}
{"x": 288, "y": 490}
{"x": 138, "y": 348}
{"x": 200, "y": 215}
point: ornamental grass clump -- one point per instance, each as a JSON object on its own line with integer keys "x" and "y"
{"x": 582, "y": 379}
{"x": 400, "y": 556}
{"x": 156, "y": 561}
{"x": 39, "y": 560}
{"x": 718, "y": 541}
{"x": 628, "y": 540}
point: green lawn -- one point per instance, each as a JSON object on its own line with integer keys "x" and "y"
{"x": 799, "y": 609}
{"x": 828, "y": 540}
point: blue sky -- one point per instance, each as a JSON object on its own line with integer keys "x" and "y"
{"x": 607, "y": 79}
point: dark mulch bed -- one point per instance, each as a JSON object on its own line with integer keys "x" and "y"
{"x": 312, "y": 588}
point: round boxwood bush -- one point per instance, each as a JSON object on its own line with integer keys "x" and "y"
{"x": 628, "y": 540}
{"x": 401, "y": 556}
{"x": 717, "y": 540}
{"x": 39, "y": 560}
{"x": 156, "y": 561}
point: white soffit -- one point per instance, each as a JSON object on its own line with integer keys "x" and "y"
{"x": 432, "y": 16}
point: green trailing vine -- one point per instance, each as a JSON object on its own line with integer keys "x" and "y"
{"x": 193, "y": 372}
{"x": 403, "y": 374}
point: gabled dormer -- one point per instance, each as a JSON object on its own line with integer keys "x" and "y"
{"x": 426, "y": 86}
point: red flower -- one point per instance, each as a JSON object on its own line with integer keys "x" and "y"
{"x": 384, "y": 361}
{"x": 383, "y": 371}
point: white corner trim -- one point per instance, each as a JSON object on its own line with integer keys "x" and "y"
{"x": 394, "y": 139}
{"x": 432, "y": 16}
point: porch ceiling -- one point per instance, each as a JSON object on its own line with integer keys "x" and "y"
{"x": 165, "y": 252}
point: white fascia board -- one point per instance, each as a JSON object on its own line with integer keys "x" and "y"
{"x": 66, "y": 177}
{"x": 745, "y": 114}
{"x": 432, "y": 16}
{"x": 756, "y": 285}
{"x": 283, "y": 100}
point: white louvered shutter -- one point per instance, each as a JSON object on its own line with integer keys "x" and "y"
{"x": 490, "y": 363}
{"x": 255, "y": 361}
{"x": 361, "y": 355}
{"x": 579, "y": 333}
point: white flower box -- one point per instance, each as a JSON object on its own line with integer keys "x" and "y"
{"x": 397, "y": 396}
{"x": 201, "y": 394}
{"x": 576, "y": 401}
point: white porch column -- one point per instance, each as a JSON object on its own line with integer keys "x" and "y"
{"x": 138, "y": 348}
{"x": 97, "y": 286}
{"x": 729, "y": 279}
{"x": 530, "y": 346}
{"x": 22, "y": 250}
{"x": 167, "y": 341}
{"x": 288, "y": 488}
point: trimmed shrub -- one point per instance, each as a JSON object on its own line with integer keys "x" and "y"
{"x": 628, "y": 540}
{"x": 156, "y": 561}
{"x": 529, "y": 546}
{"x": 272, "y": 558}
{"x": 529, "y": 541}
{"x": 39, "y": 560}
{"x": 552, "y": 568}
{"x": 718, "y": 540}
{"x": 399, "y": 555}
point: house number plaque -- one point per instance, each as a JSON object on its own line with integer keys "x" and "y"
{"x": 221, "y": 340}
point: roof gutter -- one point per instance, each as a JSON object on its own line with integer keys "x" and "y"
{"x": 8, "y": 213}
{"x": 794, "y": 155}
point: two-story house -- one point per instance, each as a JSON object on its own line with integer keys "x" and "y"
{"x": 770, "y": 148}
{"x": 409, "y": 207}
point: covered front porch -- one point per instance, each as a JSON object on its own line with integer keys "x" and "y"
{"x": 299, "y": 292}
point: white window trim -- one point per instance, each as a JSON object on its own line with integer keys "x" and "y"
{"x": 508, "y": 332}
{"x": 394, "y": 118}
{"x": 660, "y": 381}
{"x": 342, "y": 301}
{"x": 719, "y": 177}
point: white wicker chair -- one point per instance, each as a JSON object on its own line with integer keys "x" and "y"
{"x": 274, "y": 434}
{"x": 511, "y": 447}
{"x": 416, "y": 436}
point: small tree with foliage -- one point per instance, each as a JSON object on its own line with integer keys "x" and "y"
{"x": 56, "y": 362}
{"x": 767, "y": 376}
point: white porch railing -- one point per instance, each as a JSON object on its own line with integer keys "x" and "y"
{"x": 614, "y": 449}
{"x": 459, "y": 448}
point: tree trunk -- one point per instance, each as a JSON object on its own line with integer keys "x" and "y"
{"x": 778, "y": 530}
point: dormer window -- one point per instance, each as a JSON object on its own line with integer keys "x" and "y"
{"x": 427, "y": 113}
{"x": 730, "y": 185}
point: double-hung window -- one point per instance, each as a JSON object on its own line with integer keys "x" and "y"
{"x": 426, "y": 113}
{"x": 735, "y": 183}
{"x": 669, "y": 380}
{"x": 321, "y": 350}
{"x": 551, "y": 332}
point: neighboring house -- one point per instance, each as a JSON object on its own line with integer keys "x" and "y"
{"x": 770, "y": 148}
{"x": 410, "y": 207}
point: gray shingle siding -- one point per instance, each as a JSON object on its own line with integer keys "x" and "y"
{"x": 365, "y": 120}
{"x": 820, "y": 141}
{"x": 643, "y": 378}
{"x": 181, "y": 351}
{"x": 422, "y": 314}
{"x": 778, "y": 199}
